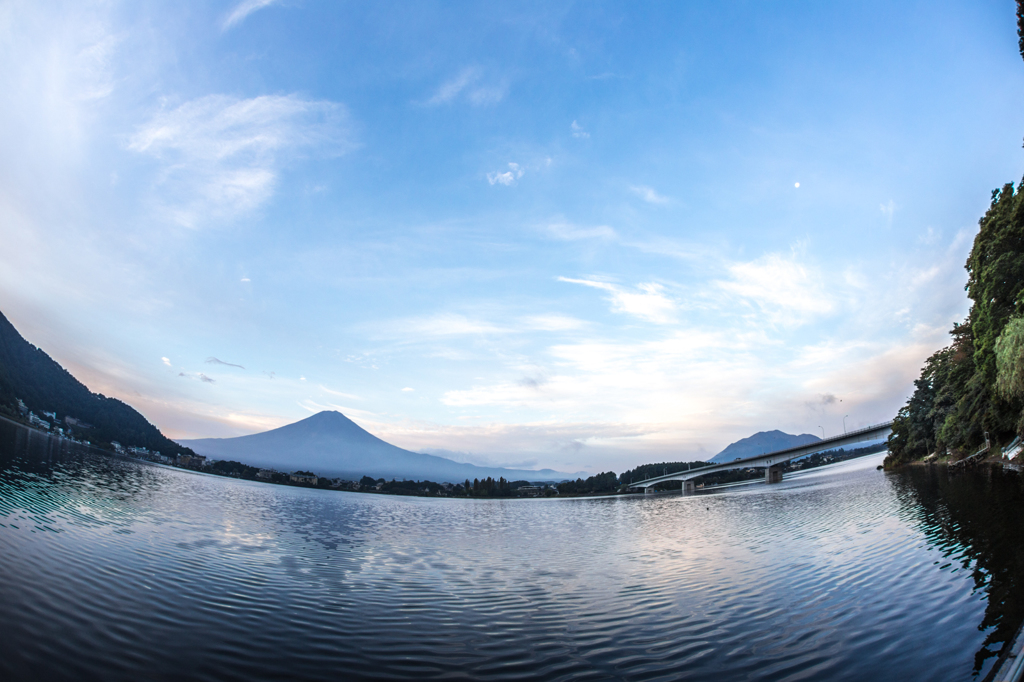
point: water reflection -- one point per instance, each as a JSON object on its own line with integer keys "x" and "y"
{"x": 975, "y": 519}
{"x": 120, "y": 570}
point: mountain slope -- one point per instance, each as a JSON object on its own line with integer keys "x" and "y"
{"x": 329, "y": 443}
{"x": 26, "y": 372}
{"x": 762, "y": 442}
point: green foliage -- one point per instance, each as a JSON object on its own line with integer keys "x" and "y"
{"x": 660, "y": 469}
{"x": 412, "y": 488}
{"x": 956, "y": 399}
{"x": 225, "y": 467}
{"x": 1020, "y": 27}
{"x": 1010, "y": 359}
{"x": 489, "y": 487}
{"x": 606, "y": 482}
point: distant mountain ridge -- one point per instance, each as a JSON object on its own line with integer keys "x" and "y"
{"x": 29, "y": 374}
{"x": 761, "y": 443}
{"x": 331, "y": 444}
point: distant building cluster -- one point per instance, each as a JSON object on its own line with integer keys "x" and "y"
{"x": 51, "y": 423}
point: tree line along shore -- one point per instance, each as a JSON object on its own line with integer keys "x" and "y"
{"x": 607, "y": 483}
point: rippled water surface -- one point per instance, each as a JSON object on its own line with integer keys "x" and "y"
{"x": 117, "y": 570}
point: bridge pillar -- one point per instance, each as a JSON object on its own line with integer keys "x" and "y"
{"x": 773, "y": 474}
{"x": 688, "y": 487}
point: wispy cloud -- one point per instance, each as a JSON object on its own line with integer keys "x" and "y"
{"x": 166, "y": 361}
{"x": 221, "y": 155}
{"x": 487, "y": 95}
{"x": 242, "y": 10}
{"x": 197, "y": 375}
{"x": 647, "y": 301}
{"x": 340, "y": 394}
{"x": 453, "y": 324}
{"x": 465, "y": 85}
{"x": 649, "y": 195}
{"x": 888, "y": 209}
{"x": 215, "y": 361}
{"x": 552, "y": 323}
{"x": 569, "y": 232}
{"x": 451, "y": 89}
{"x": 448, "y": 324}
{"x": 578, "y": 131}
{"x": 785, "y": 289}
{"x": 507, "y": 178}
{"x": 408, "y": 390}
{"x": 313, "y": 406}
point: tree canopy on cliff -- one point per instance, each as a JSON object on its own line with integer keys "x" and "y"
{"x": 976, "y": 384}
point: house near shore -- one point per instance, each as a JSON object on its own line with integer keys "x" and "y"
{"x": 299, "y": 477}
{"x": 36, "y": 421}
{"x": 192, "y": 461}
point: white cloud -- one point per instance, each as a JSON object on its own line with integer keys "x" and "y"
{"x": 408, "y": 390}
{"x": 888, "y": 209}
{"x": 465, "y": 85}
{"x": 578, "y": 131}
{"x": 166, "y": 361}
{"x": 552, "y": 323}
{"x": 246, "y": 279}
{"x": 447, "y": 324}
{"x": 351, "y": 412}
{"x": 450, "y": 90}
{"x": 649, "y": 195}
{"x": 244, "y": 9}
{"x": 338, "y": 393}
{"x": 649, "y": 303}
{"x": 783, "y": 288}
{"x": 568, "y": 232}
{"x": 488, "y": 95}
{"x": 507, "y": 178}
{"x": 221, "y": 155}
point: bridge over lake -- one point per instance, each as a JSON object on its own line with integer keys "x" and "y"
{"x": 771, "y": 462}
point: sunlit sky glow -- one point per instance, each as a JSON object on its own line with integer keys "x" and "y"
{"x": 578, "y": 236}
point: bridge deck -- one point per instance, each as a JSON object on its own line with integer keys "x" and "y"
{"x": 875, "y": 432}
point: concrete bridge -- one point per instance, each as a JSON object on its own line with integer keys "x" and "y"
{"x": 772, "y": 462}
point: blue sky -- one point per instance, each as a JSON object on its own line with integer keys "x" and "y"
{"x": 568, "y": 235}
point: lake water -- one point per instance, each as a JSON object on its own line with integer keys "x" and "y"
{"x": 111, "y": 569}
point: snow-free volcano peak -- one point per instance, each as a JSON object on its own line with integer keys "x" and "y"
{"x": 331, "y": 444}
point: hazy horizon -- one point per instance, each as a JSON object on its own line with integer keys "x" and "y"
{"x": 552, "y": 235}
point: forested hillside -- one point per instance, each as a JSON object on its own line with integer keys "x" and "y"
{"x": 26, "y": 372}
{"x": 976, "y": 384}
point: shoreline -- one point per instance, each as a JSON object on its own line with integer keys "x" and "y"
{"x": 556, "y": 495}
